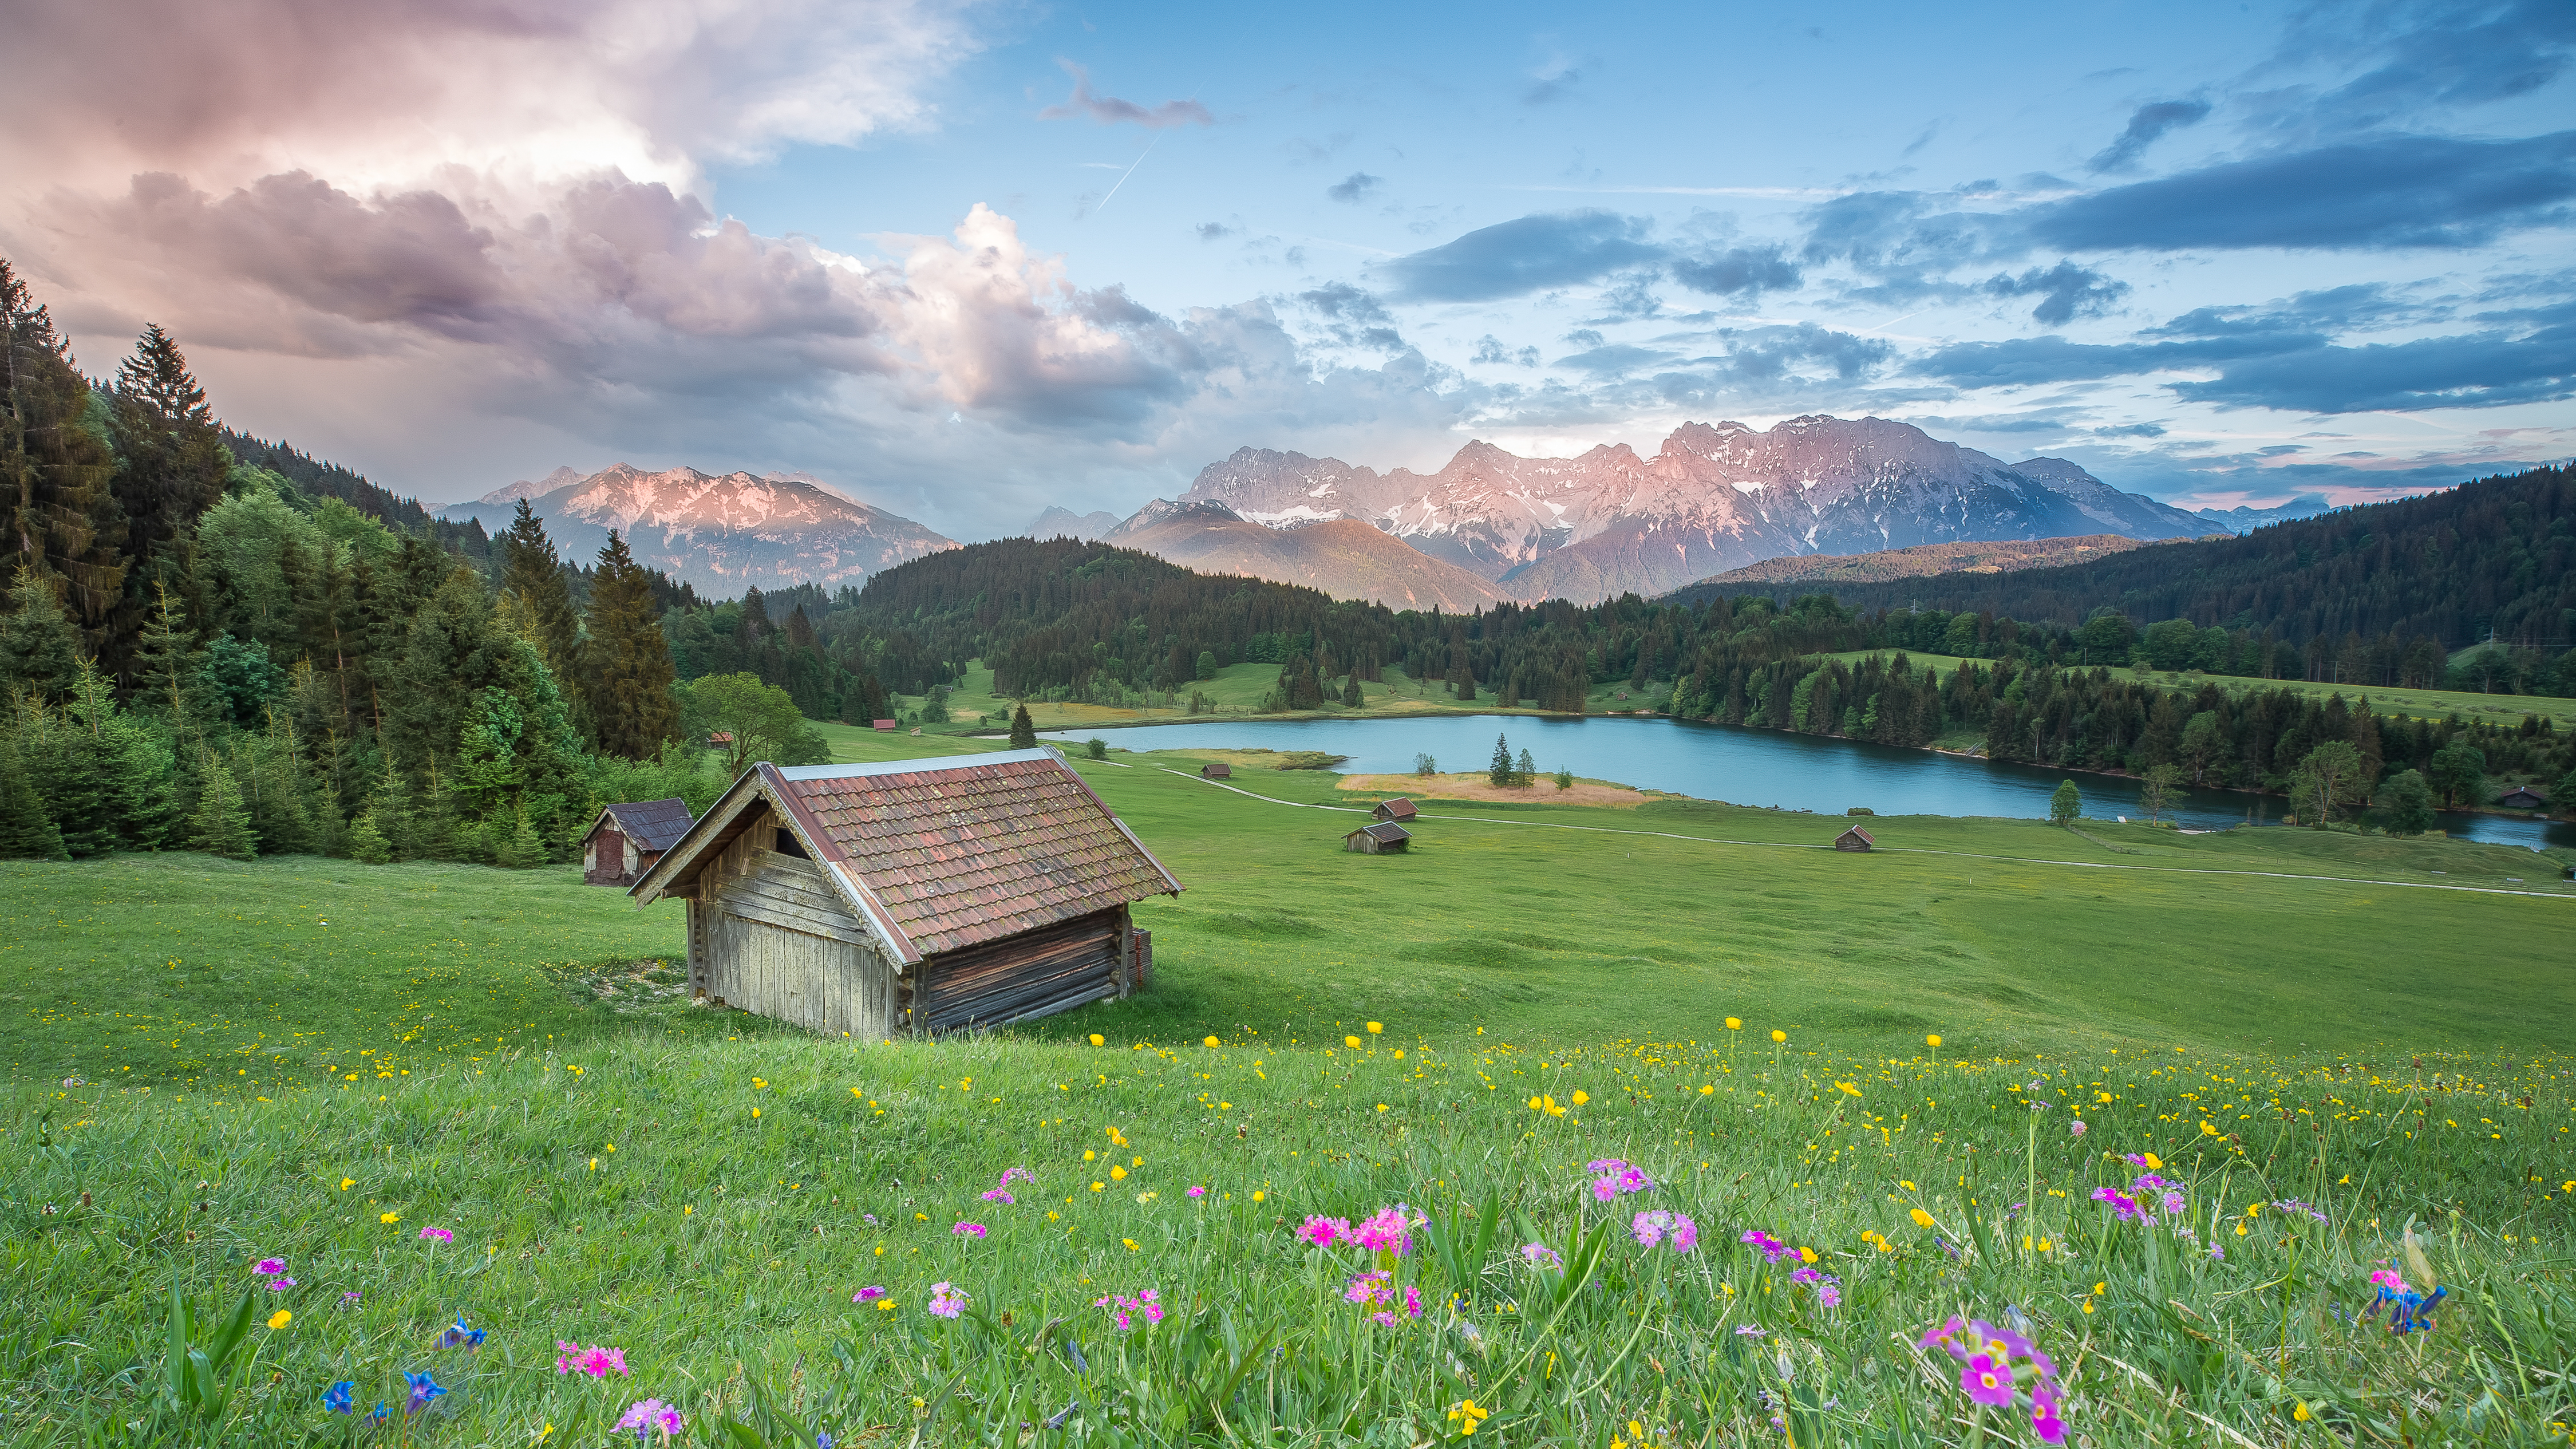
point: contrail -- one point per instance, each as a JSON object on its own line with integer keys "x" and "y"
{"x": 1130, "y": 171}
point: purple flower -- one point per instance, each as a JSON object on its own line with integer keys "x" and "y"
{"x": 651, "y": 1416}
{"x": 438, "y": 1235}
{"x": 1830, "y": 1295}
{"x": 1947, "y": 1335}
{"x": 946, "y": 1301}
{"x": 1664, "y": 1225}
{"x": 2043, "y": 1414}
{"x": 1988, "y": 1380}
{"x": 422, "y": 1391}
{"x": 351, "y": 1296}
{"x": 269, "y": 1267}
{"x": 280, "y": 1283}
{"x": 2147, "y": 1182}
{"x": 597, "y": 1361}
{"x": 1323, "y": 1232}
{"x": 463, "y": 1335}
{"x": 1748, "y": 1330}
{"x": 999, "y": 1196}
{"x": 2075, "y": 1128}
{"x": 869, "y": 1294}
{"x": 1540, "y": 1255}
{"x": 1198, "y": 1192}
{"x": 1385, "y": 1231}
{"x": 968, "y": 1230}
{"x": 1772, "y": 1248}
{"x": 2174, "y": 1203}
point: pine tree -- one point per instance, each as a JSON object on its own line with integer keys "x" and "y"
{"x": 518, "y": 848}
{"x": 629, "y": 664}
{"x": 1024, "y": 731}
{"x": 366, "y": 842}
{"x": 1351, "y": 696}
{"x": 166, "y": 657}
{"x": 1500, "y": 771}
{"x": 58, "y": 510}
{"x": 1524, "y": 770}
{"x": 26, "y": 831}
{"x": 221, "y": 826}
{"x": 531, "y": 572}
{"x": 39, "y": 649}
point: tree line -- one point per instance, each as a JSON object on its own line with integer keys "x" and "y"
{"x": 203, "y": 652}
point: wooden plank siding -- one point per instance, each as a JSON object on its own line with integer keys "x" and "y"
{"x": 1036, "y": 973}
{"x": 780, "y": 942}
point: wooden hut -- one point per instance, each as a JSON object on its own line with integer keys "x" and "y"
{"x": 1216, "y": 771}
{"x": 1398, "y": 810}
{"x": 1379, "y": 839}
{"x": 1855, "y": 839}
{"x": 2522, "y": 797}
{"x": 912, "y": 897}
{"x": 626, "y": 839}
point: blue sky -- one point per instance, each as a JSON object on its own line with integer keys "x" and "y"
{"x": 966, "y": 262}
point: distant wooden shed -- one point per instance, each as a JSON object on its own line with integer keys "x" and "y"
{"x": 1855, "y": 839}
{"x": 1379, "y": 839}
{"x": 1217, "y": 771}
{"x": 627, "y": 838}
{"x": 2523, "y": 797}
{"x": 911, "y": 897}
{"x": 1398, "y": 809}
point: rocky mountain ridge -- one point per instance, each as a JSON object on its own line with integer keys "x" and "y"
{"x": 1714, "y": 497}
{"x": 721, "y": 532}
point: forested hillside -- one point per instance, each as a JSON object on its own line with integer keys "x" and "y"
{"x": 201, "y": 651}
{"x": 2375, "y": 595}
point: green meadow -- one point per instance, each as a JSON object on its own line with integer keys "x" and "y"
{"x": 2325, "y": 1040}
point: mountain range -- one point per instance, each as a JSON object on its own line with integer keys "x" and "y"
{"x": 1343, "y": 557}
{"x": 1825, "y": 570}
{"x": 721, "y": 532}
{"x": 1714, "y": 497}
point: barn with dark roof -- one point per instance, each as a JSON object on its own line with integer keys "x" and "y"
{"x": 628, "y": 837}
{"x": 872, "y": 901}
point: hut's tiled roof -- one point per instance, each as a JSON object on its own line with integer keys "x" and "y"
{"x": 652, "y": 824}
{"x": 967, "y": 851}
{"x": 1385, "y": 832}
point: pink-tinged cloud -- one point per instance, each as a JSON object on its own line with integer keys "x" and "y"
{"x": 1111, "y": 111}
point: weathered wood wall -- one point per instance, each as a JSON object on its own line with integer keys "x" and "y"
{"x": 1037, "y": 973}
{"x": 777, "y": 940}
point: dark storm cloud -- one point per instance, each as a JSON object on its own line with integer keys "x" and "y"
{"x": 1529, "y": 254}
{"x": 2147, "y": 125}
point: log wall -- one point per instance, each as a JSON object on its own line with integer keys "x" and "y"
{"x": 1037, "y": 973}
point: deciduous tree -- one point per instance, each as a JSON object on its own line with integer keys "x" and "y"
{"x": 2066, "y": 804}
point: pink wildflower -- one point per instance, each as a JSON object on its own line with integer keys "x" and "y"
{"x": 1198, "y": 1192}
{"x": 1323, "y": 1232}
{"x": 869, "y": 1294}
{"x": 2075, "y": 1128}
{"x": 1540, "y": 1255}
{"x": 598, "y": 1361}
{"x": 2174, "y": 1203}
{"x": 1385, "y": 1231}
{"x": 999, "y": 1196}
{"x": 438, "y": 1235}
{"x": 946, "y": 1301}
{"x": 269, "y": 1267}
{"x": 968, "y": 1230}
{"x": 652, "y": 1416}
{"x": 1662, "y": 1225}
{"x": 280, "y": 1283}
{"x": 1988, "y": 1380}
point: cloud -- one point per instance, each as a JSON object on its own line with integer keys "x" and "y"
{"x": 2379, "y": 192}
{"x": 2066, "y": 292}
{"x": 1216, "y": 231}
{"x": 2422, "y": 57}
{"x": 2474, "y": 370}
{"x": 1111, "y": 111}
{"x": 1614, "y": 360}
{"x": 1353, "y": 187}
{"x": 1554, "y": 83}
{"x": 1490, "y": 350}
{"x": 1737, "y": 271}
{"x": 2146, "y": 125}
{"x": 1528, "y": 254}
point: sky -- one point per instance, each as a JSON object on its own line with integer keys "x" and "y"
{"x": 969, "y": 261}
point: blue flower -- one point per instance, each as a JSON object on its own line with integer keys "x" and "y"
{"x": 822, "y": 1439}
{"x": 337, "y": 1398}
{"x": 461, "y": 1335}
{"x": 422, "y": 1391}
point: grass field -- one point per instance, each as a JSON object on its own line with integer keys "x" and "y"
{"x": 212, "y": 1063}
{"x": 1239, "y": 689}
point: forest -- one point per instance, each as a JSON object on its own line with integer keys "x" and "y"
{"x": 222, "y": 644}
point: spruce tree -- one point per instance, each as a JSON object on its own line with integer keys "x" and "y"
{"x": 58, "y": 510}
{"x": 26, "y": 831}
{"x": 39, "y": 648}
{"x": 1524, "y": 770}
{"x": 366, "y": 842}
{"x": 1351, "y": 696}
{"x": 171, "y": 466}
{"x": 532, "y": 572}
{"x": 517, "y": 848}
{"x": 1500, "y": 770}
{"x": 1024, "y": 731}
{"x": 221, "y": 826}
{"x": 628, "y": 678}
{"x": 166, "y": 657}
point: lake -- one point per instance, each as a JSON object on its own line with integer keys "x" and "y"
{"x": 1749, "y": 767}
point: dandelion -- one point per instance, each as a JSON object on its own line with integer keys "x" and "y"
{"x": 1779, "y": 1036}
{"x": 1581, "y": 1097}
{"x": 1933, "y": 1041}
{"x": 946, "y": 1300}
{"x": 438, "y": 1235}
{"x": 1351, "y": 1042}
{"x": 280, "y": 1319}
{"x": 1098, "y": 1040}
{"x": 652, "y": 1416}
{"x": 340, "y": 1398}
{"x": 968, "y": 1230}
{"x": 1117, "y": 1173}
{"x": 1375, "y": 1027}
{"x": 1732, "y": 1024}
{"x": 1211, "y": 1043}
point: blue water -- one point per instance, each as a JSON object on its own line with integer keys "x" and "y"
{"x": 1751, "y": 767}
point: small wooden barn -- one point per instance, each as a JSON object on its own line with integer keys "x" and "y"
{"x": 2522, "y": 797}
{"x": 1855, "y": 839}
{"x": 1217, "y": 770}
{"x": 1380, "y": 839}
{"x": 626, "y": 839}
{"x": 913, "y": 897}
{"x": 1398, "y": 810}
